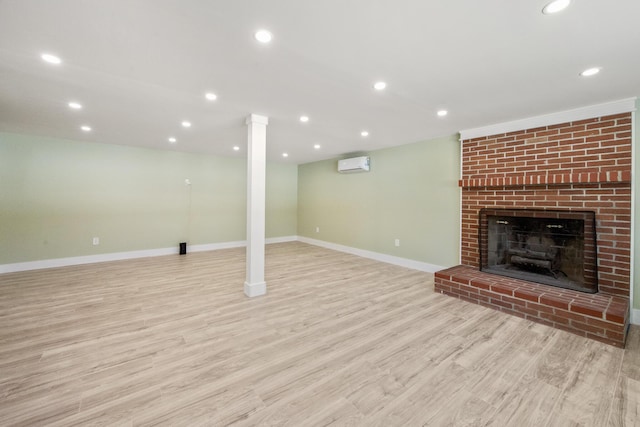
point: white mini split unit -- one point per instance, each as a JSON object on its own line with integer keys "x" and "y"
{"x": 355, "y": 164}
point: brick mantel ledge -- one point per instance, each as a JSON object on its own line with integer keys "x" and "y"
{"x": 598, "y": 316}
{"x": 548, "y": 179}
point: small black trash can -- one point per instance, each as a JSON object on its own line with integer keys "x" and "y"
{"x": 183, "y": 248}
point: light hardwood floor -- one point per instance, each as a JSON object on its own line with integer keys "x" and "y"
{"x": 338, "y": 340}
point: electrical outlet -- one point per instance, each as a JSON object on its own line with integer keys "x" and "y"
{"x": 317, "y": 229}
{"x": 96, "y": 241}
{"x": 397, "y": 242}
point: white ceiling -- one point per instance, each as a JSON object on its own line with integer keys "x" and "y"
{"x": 140, "y": 67}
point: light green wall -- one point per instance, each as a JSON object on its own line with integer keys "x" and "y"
{"x": 282, "y": 199}
{"x": 411, "y": 194}
{"x": 56, "y": 195}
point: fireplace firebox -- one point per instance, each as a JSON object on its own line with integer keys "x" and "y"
{"x": 556, "y": 248}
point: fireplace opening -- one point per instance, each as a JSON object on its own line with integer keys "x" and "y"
{"x": 556, "y": 248}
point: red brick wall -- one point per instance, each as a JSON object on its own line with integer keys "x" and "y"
{"x": 582, "y": 165}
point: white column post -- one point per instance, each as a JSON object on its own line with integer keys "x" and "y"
{"x": 256, "y": 176}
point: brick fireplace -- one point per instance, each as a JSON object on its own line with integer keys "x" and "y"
{"x": 581, "y": 165}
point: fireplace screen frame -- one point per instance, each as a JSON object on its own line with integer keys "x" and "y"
{"x": 589, "y": 283}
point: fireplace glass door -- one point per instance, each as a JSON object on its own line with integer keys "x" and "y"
{"x": 556, "y": 248}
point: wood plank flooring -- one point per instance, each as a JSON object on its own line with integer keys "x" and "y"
{"x": 338, "y": 340}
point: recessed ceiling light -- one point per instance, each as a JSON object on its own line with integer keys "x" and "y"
{"x": 86, "y": 128}
{"x": 236, "y": 148}
{"x": 442, "y": 113}
{"x": 75, "y": 105}
{"x": 304, "y": 119}
{"x": 379, "y": 85}
{"x": 186, "y": 124}
{"x": 263, "y": 36}
{"x": 316, "y": 146}
{"x": 590, "y": 72}
{"x": 555, "y": 6}
{"x": 173, "y": 140}
{"x": 285, "y": 155}
{"x": 364, "y": 133}
{"x": 51, "y": 59}
{"x": 211, "y": 96}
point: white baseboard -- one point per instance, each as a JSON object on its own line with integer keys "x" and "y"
{"x": 215, "y": 246}
{"x": 87, "y": 259}
{"x": 389, "y": 259}
{"x": 118, "y": 256}
{"x": 283, "y": 239}
{"x": 255, "y": 289}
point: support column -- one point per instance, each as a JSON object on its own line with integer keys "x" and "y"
{"x": 256, "y": 176}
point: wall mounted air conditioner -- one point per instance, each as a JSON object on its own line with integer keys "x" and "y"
{"x": 354, "y": 164}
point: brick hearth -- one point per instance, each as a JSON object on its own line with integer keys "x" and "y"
{"x": 599, "y": 316}
{"x": 583, "y": 165}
